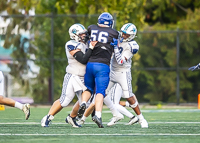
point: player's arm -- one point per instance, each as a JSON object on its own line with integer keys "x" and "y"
{"x": 121, "y": 59}
{"x": 80, "y": 56}
{"x": 194, "y": 67}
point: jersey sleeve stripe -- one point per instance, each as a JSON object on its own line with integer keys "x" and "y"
{"x": 71, "y": 47}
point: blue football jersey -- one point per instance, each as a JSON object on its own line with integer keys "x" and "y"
{"x": 102, "y": 51}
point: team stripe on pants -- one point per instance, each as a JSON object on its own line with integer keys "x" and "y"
{"x": 65, "y": 83}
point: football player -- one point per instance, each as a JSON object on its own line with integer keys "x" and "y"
{"x": 115, "y": 94}
{"x": 90, "y": 105}
{"x": 10, "y": 102}
{"x": 124, "y": 49}
{"x": 98, "y": 66}
{"x": 74, "y": 78}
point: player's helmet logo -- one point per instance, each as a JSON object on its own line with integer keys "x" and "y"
{"x": 74, "y": 31}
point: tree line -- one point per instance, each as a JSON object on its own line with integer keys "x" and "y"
{"x": 158, "y": 49}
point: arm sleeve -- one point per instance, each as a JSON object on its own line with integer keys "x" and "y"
{"x": 119, "y": 58}
{"x": 83, "y": 58}
{"x": 127, "y": 54}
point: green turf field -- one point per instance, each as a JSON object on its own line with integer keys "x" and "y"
{"x": 165, "y": 126}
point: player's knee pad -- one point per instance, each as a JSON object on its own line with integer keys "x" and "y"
{"x": 134, "y": 105}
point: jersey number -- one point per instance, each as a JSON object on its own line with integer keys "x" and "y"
{"x": 99, "y": 36}
{"x": 120, "y": 49}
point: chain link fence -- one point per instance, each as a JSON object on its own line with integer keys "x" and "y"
{"x": 32, "y": 57}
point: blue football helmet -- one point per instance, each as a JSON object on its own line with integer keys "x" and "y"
{"x": 106, "y": 19}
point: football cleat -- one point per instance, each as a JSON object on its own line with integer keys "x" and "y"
{"x": 72, "y": 121}
{"x": 66, "y": 121}
{"x": 46, "y": 120}
{"x": 143, "y": 123}
{"x": 26, "y": 110}
{"x": 81, "y": 110}
{"x": 80, "y": 122}
{"x": 115, "y": 119}
{"x": 133, "y": 120}
{"x": 98, "y": 121}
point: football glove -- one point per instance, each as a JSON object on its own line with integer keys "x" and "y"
{"x": 90, "y": 46}
{"x": 114, "y": 43}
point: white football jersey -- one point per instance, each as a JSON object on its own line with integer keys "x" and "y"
{"x": 75, "y": 67}
{"x": 127, "y": 49}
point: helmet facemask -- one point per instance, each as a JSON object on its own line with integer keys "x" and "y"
{"x": 122, "y": 39}
{"x": 129, "y": 29}
{"x": 76, "y": 31}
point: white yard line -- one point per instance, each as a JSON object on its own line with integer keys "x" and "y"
{"x": 162, "y": 110}
{"x": 133, "y": 134}
{"x": 56, "y": 123}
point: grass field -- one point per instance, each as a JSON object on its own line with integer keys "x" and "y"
{"x": 171, "y": 125}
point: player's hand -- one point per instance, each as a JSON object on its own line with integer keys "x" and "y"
{"x": 194, "y": 67}
{"x": 114, "y": 43}
{"x": 92, "y": 44}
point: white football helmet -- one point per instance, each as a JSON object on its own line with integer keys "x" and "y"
{"x": 130, "y": 29}
{"x": 75, "y": 30}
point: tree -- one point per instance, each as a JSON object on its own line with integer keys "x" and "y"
{"x": 15, "y": 39}
{"x": 156, "y": 49}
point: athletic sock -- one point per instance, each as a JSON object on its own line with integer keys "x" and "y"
{"x": 18, "y": 105}
{"x": 124, "y": 111}
{"x": 83, "y": 118}
{"x": 83, "y": 102}
{"x": 141, "y": 117}
{"x": 98, "y": 114}
{"x": 111, "y": 106}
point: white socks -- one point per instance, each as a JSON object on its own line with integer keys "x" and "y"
{"x": 123, "y": 110}
{"x": 111, "y": 106}
{"x": 98, "y": 114}
{"x": 141, "y": 117}
{"x": 18, "y": 105}
{"x": 83, "y": 118}
{"x": 83, "y": 102}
